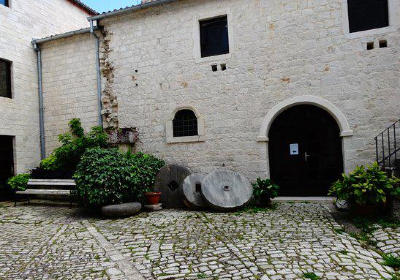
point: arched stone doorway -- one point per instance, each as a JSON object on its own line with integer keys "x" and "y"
{"x": 305, "y": 151}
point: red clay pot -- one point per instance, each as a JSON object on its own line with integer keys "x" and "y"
{"x": 369, "y": 210}
{"x": 153, "y": 198}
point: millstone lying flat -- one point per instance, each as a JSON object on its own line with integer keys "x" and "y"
{"x": 169, "y": 182}
{"x": 226, "y": 190}
{"x": 191, "y": 188}
{"x": 121, "y": 210}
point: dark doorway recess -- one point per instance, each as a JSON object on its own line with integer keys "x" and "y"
{"x": 305, "y": 151}
{"x": 368, "y": 14}
{"x": 6, "y": 164}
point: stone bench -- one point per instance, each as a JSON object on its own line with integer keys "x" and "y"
{"x": 47, "y": 187}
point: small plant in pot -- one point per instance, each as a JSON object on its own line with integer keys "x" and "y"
{"x": 152, "y": 198}
{"x": 368, "y": 189}
{"x": 263, "y": 191}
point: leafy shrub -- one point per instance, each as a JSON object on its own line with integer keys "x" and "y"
{"x": 106, "y": 177}
{"x": 366, "y": 186}
{"x": 62, "y": 163}
{"x": 264, "y": 190}
{"x": 19, "y": 182}
{"x": 392, "y": 261}
{"x": 144, "y": 168}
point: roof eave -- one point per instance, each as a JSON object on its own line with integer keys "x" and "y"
{"x": 130, "y": 9}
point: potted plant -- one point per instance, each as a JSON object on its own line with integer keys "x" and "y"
{"x": 152, "y": 198}
{"x": 368, "y": 189}
{"x": 263, "y": 191}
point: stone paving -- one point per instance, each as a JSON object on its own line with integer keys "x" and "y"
{"x": 43, "y": 242}
{"x": 388, "y": 240}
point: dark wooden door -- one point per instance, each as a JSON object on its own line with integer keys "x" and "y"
{"x": 305, "y": 151}
{"x": 6, "y": 160}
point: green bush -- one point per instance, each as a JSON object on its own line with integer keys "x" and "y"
{"x": 144, "y": 168}
{"x": 105, "y": 176}
{"x": 19, "y": 182}
{"x": 264, "y": 190}
{"x": 366, "y": 186}
{"x": 62, "y": 163}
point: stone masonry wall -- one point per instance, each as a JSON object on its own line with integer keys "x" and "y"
{"x": 280, "y": 49}
{"x": 27, "y": 19}
{"x": 69, "y": 85}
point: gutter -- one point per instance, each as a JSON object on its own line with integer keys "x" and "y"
{"x": 59, "y": 36}
{"x": 131, "y": 9}
{"x": 41, "y": 107}
{"x": 98, "y": 72}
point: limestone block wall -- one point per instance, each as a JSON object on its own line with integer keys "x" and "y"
{"x": 69, "y": 85}
{"x": 24, "y": 20}
{"x": 279, "y": 50}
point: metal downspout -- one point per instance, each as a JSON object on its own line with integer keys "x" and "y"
{"x": 100, "y": 103}
{"x": 41, "y": 106}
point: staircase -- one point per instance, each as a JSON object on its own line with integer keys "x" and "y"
{"x": 388, "y": 149}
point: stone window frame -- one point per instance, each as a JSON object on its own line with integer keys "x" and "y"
{"x": 206, "y": 15}
{"x": 187, "y": 139}
{"x": 393, "y": 22}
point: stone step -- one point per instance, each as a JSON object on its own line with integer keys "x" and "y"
{"x": 51, "y": 182}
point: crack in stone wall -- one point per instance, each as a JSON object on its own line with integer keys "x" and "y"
{"x": 110, "y": 101}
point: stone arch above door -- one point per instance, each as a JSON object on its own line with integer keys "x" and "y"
{"x": 345, "y": 130}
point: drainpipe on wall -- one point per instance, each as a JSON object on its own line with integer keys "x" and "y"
{"x": 41, "y": 107}
{"x": 98, "y": 71}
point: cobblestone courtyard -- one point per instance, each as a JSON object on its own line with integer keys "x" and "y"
{"x": 43, "y": 242}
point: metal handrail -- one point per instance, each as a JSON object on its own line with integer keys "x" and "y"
{"x": 389, "y": 151}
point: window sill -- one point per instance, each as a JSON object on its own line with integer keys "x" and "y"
{"x": 214, "y": 59}
{"x": 188, "y": 139}
{"x": 371, "y": 32}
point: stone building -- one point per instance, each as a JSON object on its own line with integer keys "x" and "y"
{"x": 22, "y": 20}
{"x": 296, "y": 90}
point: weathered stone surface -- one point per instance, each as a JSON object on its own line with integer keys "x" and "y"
{"x": 156, "y": 207}
{"x": 169, "y": 182}
{"x": 191, "y": 188}
{"x": 121, "y": 210}
{"x": 226, "y": 190}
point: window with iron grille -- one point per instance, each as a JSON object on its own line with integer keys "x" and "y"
{"x": 4, "y": 3}
{"x": 214, "y": 36}
{"x": 5, "y": 78}
{"x": 185, "y": 124}
{"x": 367, "y": 14}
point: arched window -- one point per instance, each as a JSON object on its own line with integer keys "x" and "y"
{"x": 185, "y": 124}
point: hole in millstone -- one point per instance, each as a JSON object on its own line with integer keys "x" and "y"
{"x": 173, "y": 186}
{"x": 198, "y": 187}
{"x": 227, "y": 188}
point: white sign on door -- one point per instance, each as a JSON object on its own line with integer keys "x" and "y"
{"x": 294, "y": 149}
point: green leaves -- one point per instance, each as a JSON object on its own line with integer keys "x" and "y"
{"x": 19, "y": 182}
{"x": 105, "y": 176}
{"x": 264, "y": 189}
{"x": 366, "y": 185}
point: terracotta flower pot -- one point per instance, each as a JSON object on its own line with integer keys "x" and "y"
{"x": 369, "y": 210}
{"x": 153, "y": 198}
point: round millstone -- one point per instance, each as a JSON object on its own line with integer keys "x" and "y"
{"x": 226, "y": 190}
{"x": 169, "y": 182}
{"x": 121, "y": 210}
{"x": 192, "y": 193}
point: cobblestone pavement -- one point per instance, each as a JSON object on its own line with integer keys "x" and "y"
{"x": 43, "y": 242}
{"x": 388, "y": 240}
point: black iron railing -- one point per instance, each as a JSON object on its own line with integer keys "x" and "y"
{"x": 388, "y": 146}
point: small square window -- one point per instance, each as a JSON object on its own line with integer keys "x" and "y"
{"x": 5, "y": 3}
{"x": 214, "y": 38}
{"x": 5, "y": 78}
{"x": 367, "y": 14}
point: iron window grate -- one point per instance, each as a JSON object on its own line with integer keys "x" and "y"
{"x": 185, "y": 124}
